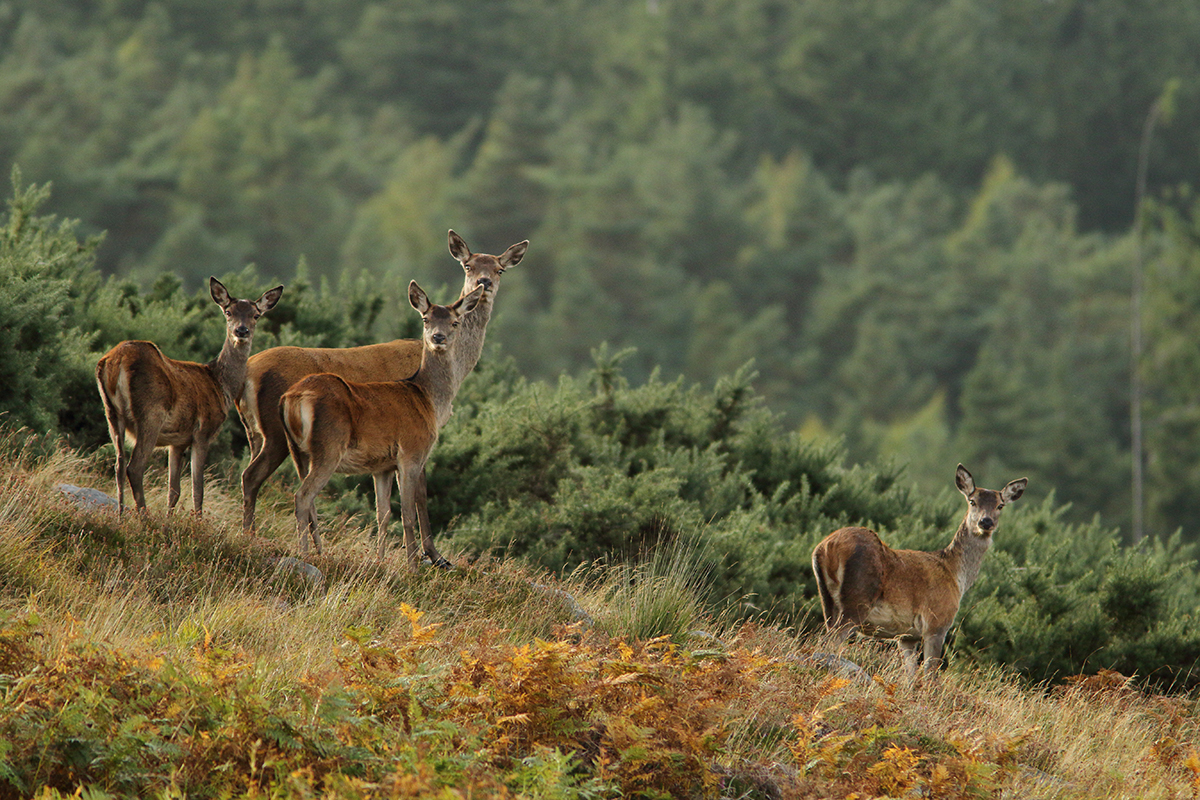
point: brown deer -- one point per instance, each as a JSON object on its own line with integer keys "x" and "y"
{"x": 909, "y": 595}
{"x": 156, "y": 401}
{"x": 272, "y": 372}
{"x": 386, "y": 428}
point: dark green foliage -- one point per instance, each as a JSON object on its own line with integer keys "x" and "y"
{"x": 1055, "y": 599}
{"x": 1169, "y": 366}
{"x": 597, "y": 469}
{"x": 45, "y": 277}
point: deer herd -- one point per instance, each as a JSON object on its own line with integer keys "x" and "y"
{"x": 378, "y": 409}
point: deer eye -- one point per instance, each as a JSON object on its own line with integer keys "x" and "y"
{"x": 999, "y": 506}
{"x": 972, "y": 502}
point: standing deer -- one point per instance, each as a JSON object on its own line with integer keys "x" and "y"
{"x": 385, "y": 428}
{"x": 909, "y": 595}
{"x": 272, "y": 372}
{"x": 155, "y": 401}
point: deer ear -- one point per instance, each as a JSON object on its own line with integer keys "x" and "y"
{"x": 1014, "y": 489}
{"x": 458, "y": 248}
{"x": 964, "y": 481}
{"x": 269, "y": 299}
{"x": 220, "y": 294}
{"x": 513, "y": 255}
{"x": 418, "y": 298}
{"x": 467, "y": 303}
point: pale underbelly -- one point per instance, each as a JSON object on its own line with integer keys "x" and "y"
{"x": 167, "y": 437}
{"x": 887, "y": 621}
{"x": 360, "y": 463}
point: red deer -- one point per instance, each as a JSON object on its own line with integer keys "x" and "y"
{"x": 272, "y": 372}
{"x": 386, "y": 428}
{"x": 156, "y": 401}
{"x": 909, "y": 595}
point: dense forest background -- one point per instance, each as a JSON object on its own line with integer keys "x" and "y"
{"x": 918, "y": 219}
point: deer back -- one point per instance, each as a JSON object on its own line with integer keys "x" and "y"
{"x": 272, "y": 372}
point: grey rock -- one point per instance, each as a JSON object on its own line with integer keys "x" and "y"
{"x": 842, "y": 666}
{"x": 578, "y": 613}
{"x": 86, "y": 498}
{"x": 301, "y": 568}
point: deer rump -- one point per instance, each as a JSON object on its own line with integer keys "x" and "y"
{"x": 362, "y": 424}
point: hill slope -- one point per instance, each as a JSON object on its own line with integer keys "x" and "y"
{"x": 173, "y": 657}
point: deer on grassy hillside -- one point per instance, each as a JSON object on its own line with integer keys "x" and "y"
{"x": 909, "y": 595}
{"x": 386, "y": 428}
{"x": 157, "y": 401}
{"x": 272, "y": 372}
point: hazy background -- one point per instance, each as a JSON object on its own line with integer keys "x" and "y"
{"x": 916, "y": 217}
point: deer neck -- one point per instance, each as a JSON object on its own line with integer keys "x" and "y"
{"x": 228, "y": 370}
{"x": 436, "y": 377}
{"x": 964, "y": 555}
{"x": 468, "y": 345}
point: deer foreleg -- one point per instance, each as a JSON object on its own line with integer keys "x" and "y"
{"x": 426, "y": 527}
{"x": 909, "y": 649}
{"x": 934, "y": 644}
{"x": 383, "y": 508}
{"x": 408, "y": 479}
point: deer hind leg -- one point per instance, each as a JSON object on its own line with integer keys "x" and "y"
{"x": 144, "y": 444}
{"x": 272, "y": 452}
{"x": 829, "y": 587}
{"x": 122, "y": 466}
{"x": 117, "y": 431}
{"x": 383, "y": 508}
{"x": 306, "y": 506}
{"x": 174, "y": 472}
{"x": 199, "y": 459}
{"x": 426, "y": 528}
{"x": 306, "y": 521}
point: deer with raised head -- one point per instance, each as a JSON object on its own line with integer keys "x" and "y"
{"x": 272, "y": 372}
{"x": 909, "y": 595}
{"x": 156, "y": 401}
{"x": 386, "y": 428}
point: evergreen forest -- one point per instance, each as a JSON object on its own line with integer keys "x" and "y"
{"x": 789, "y": 264}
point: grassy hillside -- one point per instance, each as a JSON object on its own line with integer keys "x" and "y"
{"x": 172, "y": 657}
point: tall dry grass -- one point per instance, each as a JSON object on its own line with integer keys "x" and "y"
{"x": 163, "y": 587}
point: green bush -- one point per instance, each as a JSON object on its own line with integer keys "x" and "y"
{"x": 1057, "y": 599}
{"x": 594, "y": 469}
{"x": 45, "y": 272}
